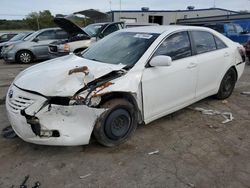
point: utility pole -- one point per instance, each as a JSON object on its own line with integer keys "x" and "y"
{"x": 37, "y": 21}
{"x": 110, "y": 5}
{"x": 120, "y": 9}
{"x": 214, "y": 4}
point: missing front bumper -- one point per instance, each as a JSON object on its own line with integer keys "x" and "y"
{"x": 54, "y": 124}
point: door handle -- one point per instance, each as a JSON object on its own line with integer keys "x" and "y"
{"x": 192, "y": 65}
{"x": 226, "y": 54}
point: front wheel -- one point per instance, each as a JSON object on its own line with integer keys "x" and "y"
{"x": 227, "y": 84}
{"x": 116, "y": 124}
{"x": 24, "y": 57}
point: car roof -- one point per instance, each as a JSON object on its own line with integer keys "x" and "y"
{"x": 163, "y": 28}
{"x": 105, "y": 23}
{"x": 52, "y": 28}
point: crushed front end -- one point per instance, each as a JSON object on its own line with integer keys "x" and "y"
{"x": 49, "y": 121}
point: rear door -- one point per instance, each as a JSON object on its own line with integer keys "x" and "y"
{"x": 213, "y": 57}
{"x": 167, "y": 88}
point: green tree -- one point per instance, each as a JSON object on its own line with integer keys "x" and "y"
{"x": 40, "y": 20}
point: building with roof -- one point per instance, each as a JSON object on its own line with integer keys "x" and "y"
{"x": 164, "y": 17}
{"x": 243, "y": 17}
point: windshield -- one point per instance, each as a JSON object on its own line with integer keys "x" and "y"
{"x": 238, "y": 28}
{"x": 93, "y": 29}
{"x": 4, "y": 36}
{"x": 122, "y": 47}
{"x": 19, "y": 36}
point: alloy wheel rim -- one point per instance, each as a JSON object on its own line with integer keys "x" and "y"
{"x": 25, "y": 57}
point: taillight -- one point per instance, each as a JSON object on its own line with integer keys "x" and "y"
{"x": 248, "y": 45}
{"x": 242, "y": 52}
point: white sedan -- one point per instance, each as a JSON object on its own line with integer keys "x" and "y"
{"x": 132, "y": 76}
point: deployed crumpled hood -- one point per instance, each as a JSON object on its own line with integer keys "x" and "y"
{"x": 52, "y": 78}
{"x": 68, "y": 26}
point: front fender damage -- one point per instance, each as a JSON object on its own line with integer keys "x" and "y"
{"x": 69, "y": 119}
{"x": 64, "y": 124}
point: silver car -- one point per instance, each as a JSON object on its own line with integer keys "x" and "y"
{"x": 19, "y": 36}
{"x": 33, "y": 47}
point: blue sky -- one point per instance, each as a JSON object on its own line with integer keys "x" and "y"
{"x": 17, "y": 9}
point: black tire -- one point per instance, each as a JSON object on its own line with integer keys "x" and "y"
{"x": 78, "y": 51}
{"x": 227, "y": 84}
{"x": 24, "y": 57}
{"x": 116, "y": 124}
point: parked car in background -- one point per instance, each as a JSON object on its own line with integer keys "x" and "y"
{"x": 19, "y": 36}
{"x": 33, "y": 47}
{"x": 80, "y": 38}
{"x": 7, "y": 36}
{"x": 245, "y": 24}
{"x": 132, "y": 76}
{"x": 129, "y": 25}
{"x": 235, "y": 32}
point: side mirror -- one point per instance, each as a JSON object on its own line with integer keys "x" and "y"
{"x": 160, "y": 60}
{"x": 244, "y": 32}
{"x": 101, "y": 35}
{"x": 35, "y": 39}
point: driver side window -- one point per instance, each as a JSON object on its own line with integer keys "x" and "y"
{"x": 47, "y": 35}
{"x": 177, "y": 46}
{"x": 112, "y": 28}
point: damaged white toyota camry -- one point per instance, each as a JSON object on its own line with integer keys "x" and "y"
{"x": 130, "y": 77}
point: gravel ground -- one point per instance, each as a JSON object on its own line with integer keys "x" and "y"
{"x": 195, "y": 150}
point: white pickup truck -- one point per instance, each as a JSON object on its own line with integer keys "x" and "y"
{"x": 80, "y": 38}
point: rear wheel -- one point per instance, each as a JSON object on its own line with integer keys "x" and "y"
{"x": 227, "y": 84}
{"x": 78, "y": 51}
{"x": 24, "y": 57}
{"x": 116, "y": 124}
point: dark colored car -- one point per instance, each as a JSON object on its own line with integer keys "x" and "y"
{"x": 235, "y": 32}
{"x": 245, "y": 24}
{"x": 7, "y": 36}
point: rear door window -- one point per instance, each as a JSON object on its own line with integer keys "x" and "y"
{"x": 204, "y": 41}
{"x": 219, "y": 43}
{"x": 177, "y": 46}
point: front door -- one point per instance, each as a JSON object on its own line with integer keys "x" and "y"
{"x": 40, "y": 45}
{"x": 168, "y": 88}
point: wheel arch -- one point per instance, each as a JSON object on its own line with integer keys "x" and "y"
{"x": 23, "y": 50}
{"x": 234, "y": 68}
{"x": 77, "y": 50}
{"x": 130, "y": 97}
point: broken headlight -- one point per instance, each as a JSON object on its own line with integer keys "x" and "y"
{"x": 95, "y": 101}
{"x": 85, "y": 99}
{"x": 90, "y": 97}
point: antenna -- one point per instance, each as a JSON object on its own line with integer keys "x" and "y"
{"x": 214, "y": 4}
{"x": 110, "y": 5}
